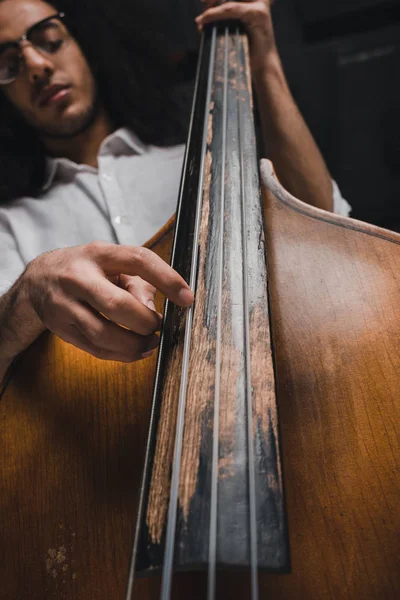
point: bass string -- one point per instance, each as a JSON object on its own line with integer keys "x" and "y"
{"x": 131, "y": 576}
{"x": 173, "y": 503}
{"x": 249, "y": 395}
{"x": 215, "y": 452}
{"x": 172, "y": 511}
{"x": 212, "y": 555}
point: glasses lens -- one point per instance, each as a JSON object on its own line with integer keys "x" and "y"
{"x": 49, "y": 36}
{"x": 9, "y": 63}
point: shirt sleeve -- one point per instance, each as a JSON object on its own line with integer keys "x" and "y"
{"x": 340, "y": 205}
{"x": 11, "y": 263}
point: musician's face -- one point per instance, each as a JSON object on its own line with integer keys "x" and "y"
{"x": 54, "y": 91}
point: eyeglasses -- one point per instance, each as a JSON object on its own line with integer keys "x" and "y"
{"x": 48, "y": 37}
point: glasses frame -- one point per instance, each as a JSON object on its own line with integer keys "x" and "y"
{"x": 25, "y": 38}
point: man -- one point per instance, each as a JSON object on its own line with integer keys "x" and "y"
{"x": 70, "y": 254}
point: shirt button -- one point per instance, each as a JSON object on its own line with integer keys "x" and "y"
{"x": 106, "y": 177}
{"x": 121, "y": 220}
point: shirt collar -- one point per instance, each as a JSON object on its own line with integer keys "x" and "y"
{"x": 119, "y": 142}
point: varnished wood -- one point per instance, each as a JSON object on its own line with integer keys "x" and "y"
{"x": 72, "y": 436}
{"x": 335, "y": 307}
{"x": 335, "y": 303}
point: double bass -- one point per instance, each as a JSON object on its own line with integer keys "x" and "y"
{"x": 296, "y": 316}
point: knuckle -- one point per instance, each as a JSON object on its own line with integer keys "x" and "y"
{"x": 260, "y": 11}
{"x": 95, "y": 334}
{"x": 69, "y": 277}
{"x": 149, "y": 288}
{"x": 114, "y": 304}
{"x": 141, "y": 255}
{"x": 97, "y": 248}
{"x": 50, "y": 309}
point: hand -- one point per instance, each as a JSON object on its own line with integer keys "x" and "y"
{"x": 100, "y": 297}
{"x": 255, "y": 16}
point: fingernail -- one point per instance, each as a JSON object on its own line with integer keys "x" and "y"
{"x": 150, "y": 304}
{"x": 186, "y": 296}
{"x": 147, "y": 354}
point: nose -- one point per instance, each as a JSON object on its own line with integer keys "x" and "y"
{"x": 37, "y": 65}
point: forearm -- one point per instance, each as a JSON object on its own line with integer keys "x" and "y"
{"x": 19, "y": 324}
{"x": 287, "y": 140}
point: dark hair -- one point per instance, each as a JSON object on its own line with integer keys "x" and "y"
{"x": 131, "y": 85}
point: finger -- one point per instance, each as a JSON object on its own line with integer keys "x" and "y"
{"x": 118, "y": 305}
{"x": 140, "y": 289}
{"x": 228, "y": 10}
{"x": 77, "y": 339}
{"x": 133, "y": 260}
{"x": 107, "y": 338}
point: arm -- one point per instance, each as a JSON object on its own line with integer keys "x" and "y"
{"x": 85, "y": 294}
{"x": 288, "y": 142}
{"x": 19, "y": 325}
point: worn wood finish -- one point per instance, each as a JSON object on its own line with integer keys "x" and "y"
{"x": 334, "y": 290}
{"x": 228, "y": 374}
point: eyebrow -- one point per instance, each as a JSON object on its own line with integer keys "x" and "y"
{"x": 46, "y": 21}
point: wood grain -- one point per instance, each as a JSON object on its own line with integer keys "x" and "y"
{"x": 72, "y": 437}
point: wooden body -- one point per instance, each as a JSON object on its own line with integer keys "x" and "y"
{"x": 73, "y": 429}
{"x": 72, "y": 438}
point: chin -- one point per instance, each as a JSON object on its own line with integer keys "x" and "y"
{"x": 71, "y": 122}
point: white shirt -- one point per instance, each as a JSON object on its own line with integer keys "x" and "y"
{"x": 126, "y": 200}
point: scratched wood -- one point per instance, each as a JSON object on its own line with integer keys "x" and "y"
{"x": 222, "y": 208}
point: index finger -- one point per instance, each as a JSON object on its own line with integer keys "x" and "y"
{"x": 137, "y": 260}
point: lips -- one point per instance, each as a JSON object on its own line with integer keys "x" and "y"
{"x": 49, "y": 92}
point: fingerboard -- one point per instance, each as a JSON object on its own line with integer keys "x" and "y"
{"x": 212, "y": 490}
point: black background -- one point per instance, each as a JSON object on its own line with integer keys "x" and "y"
{"x": 342, "y": 60}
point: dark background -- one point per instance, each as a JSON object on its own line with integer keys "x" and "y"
{"x": 342, "y": 60}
